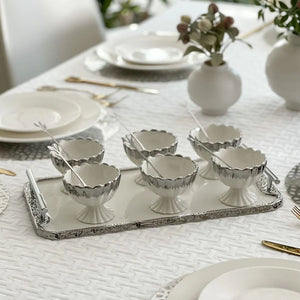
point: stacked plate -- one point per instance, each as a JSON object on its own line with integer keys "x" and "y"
{"x": 64, "y": 115}
{"x": 243, "y": 279}
{"x": 152, "y": 51}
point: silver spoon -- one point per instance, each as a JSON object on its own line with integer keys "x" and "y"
{"x": 58, "y": 151}
{"x": 214, "y": 155}
{"x": 44, "y": 128}
{"x": 199, "y": 124}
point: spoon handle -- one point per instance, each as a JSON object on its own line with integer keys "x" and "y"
{"x": 51, "y": 88}
{"x": 7, "y": 172}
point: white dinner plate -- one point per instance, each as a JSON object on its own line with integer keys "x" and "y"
{"x": 152, "y": 50}
{"x": 190, "y": 287}
{"x": 107, "y": 51}
{"x": 19, "y": 111}
{"x": 91, "y": 112}
{"x": 268, "y": 283}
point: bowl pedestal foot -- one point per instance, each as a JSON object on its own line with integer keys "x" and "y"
{"x": 165, "y": 205}
{"x": 95, "y": 215}
{"x": 208, "y": 172}
{"x": 139, "y": 180}
{"x": 238, "y": 197}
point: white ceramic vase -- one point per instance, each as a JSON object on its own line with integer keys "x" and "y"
{"x": 214, "y": 89}
{"x": 283, "y": 70}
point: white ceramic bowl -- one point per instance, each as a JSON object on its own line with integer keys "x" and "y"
{"x": 246, "y": 164}
{"x": 178, "y": 175}
{"x": 77, "y": 152}
{"x": 220, "y": 136}
{"x": 102, "y": 181}
{"x": 154, "y": 141}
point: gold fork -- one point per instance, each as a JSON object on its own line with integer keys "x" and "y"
{"x": 101, "y": 97}
{"x": 296, "y": 212}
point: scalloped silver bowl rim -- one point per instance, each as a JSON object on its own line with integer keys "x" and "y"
{"x": 197, "y": 141}
{"x": 128, "y": 145}
{"x": 169, "y": 179}
{"x": 80, "y": 187}
{"x": 264, "y": 163}
{"x": 83, "y": 159}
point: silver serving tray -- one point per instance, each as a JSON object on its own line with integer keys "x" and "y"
{"x": 131, "y": 206}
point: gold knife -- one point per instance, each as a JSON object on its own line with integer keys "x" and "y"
{"x": 114, "y": 85}
{"x": 7, "y": 172}
{"x": 282, "y": 248}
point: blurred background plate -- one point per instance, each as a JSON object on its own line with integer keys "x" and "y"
{"x": 152, "y": 49}
{"x": 108, "y": 52}
{"x": 19, "y": 111}
{"x": 91, "y": 113}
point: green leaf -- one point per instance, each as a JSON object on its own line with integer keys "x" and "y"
{"x": 284, "y": 18}
{"x": 280, "y": 35}
{"x": 246, "y": 43}
{"x": 192, "y": 49}
{"x": 104, "y": 4}
{"x": 283, "y": 5}
{"x": 259, "y": 14}
{"x": 271, "y": 9}
{"x": 232, "y": 32}
{"x": 295, "y": 23}
{"x": 294, "y": 2}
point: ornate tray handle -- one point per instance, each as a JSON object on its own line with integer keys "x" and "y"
{"x": 42, "y": 215}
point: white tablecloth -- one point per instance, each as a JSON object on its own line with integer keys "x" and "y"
{"x": 133, "y": 265}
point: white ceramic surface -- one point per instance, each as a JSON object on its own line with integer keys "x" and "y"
{"x": 214, "y": 89}
{"x": 246, "y": 164}
{"x": 220, "y": 137}
{"x": 107, "y": 52}
{"x": 152, "y": 50}
{"x": 91, "y": 112}
{"x": 19, "y": 111}
{"x": 192, "y": 284}
{"x": 178, "y": 173}
{"x": 283, "y": 70}
{"x": 154, "y": 142}
{"x": 102, "y": 181}
{"x": 268, "y": 283}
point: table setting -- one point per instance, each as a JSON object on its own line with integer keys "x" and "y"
{"x": 119, "y": 166}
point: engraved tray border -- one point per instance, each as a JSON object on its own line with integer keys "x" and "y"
{"x": 39, "y": 223}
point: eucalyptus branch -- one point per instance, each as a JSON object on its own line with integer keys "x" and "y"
{"x": 211, "y": 33}
{"x": 288, "y": 17}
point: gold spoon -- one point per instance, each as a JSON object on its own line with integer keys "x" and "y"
{"x": 7, "y": 172}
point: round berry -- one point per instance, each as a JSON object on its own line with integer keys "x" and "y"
{"x": 182, "y": 28}
{"x": 213, "y": 8}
